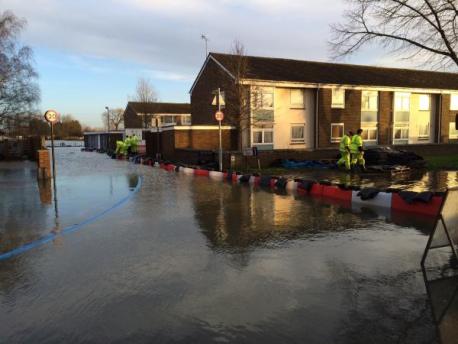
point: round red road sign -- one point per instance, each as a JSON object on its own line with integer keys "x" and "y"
{"x": 219, "y": 115}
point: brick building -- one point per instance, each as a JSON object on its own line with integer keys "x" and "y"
{"x": 305, "y": 106}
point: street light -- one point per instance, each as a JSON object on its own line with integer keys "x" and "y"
{"x": 108, "y": 128}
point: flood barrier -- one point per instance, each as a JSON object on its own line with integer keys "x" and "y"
{"x": 359, "y": 198}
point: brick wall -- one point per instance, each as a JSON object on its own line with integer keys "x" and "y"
{"x": 385, "y": 127}
{"x": 350, "y": 115}
{"x": 202, "y": 112}
{"x": 131, "y": 119}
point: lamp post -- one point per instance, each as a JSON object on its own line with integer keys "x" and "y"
{"x": 108, "y": 128}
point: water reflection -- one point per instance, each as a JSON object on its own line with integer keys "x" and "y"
{"x": 415, "y": 180}
{"x": 238, "y": 217}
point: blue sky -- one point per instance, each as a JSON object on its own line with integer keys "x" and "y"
{"x": 90, "y": 54}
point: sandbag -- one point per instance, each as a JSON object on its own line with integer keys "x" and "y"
{"x": 368, "y": 193}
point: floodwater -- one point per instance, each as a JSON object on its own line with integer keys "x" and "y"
{"x": 190, "y": 260}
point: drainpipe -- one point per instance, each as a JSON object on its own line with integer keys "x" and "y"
{"x": 316, "y": 116}
{"x": 439, "y": 122}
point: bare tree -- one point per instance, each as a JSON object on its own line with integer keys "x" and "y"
{"x": 237, "y": 94}
{"x": 424, "y": 29}
{"x": 19, "y": 91}
{"x": 116, "y": 118}
{"x": 145, "y": 93}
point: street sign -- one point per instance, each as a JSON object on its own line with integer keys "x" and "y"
{"x": 51, "y": 116}
{"x": 219, "y": 115}
{"x": 248, "y": 151}
{"x": 221, "y": 99}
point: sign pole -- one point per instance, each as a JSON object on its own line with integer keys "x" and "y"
{"x": 52, "y": 152}
{"x": 220, "y": 136}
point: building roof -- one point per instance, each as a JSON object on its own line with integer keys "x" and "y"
{"x": 287, "y": 70}
{"x": 160, "y": 108}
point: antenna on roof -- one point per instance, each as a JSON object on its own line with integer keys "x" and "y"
{"x": 205, "y": 38}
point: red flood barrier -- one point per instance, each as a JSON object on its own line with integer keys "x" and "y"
{"x": 317, "y": 190}
{"x": 201, "y": 172}
{"x": 170, "y": 167}
{"x": 432, "y": 208}
{"x": 336, "y": 193}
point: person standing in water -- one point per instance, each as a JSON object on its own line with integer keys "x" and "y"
{"x": 345, "y": 155}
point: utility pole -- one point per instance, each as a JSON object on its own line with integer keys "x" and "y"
{"x": 205, "y": 38}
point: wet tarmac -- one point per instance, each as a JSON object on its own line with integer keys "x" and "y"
{"x": 188, "y": 260}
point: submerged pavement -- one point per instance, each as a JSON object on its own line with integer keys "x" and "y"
{"x": 191, "y": 260}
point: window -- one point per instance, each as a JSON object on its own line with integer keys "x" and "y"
{"x": 453, "y": 132}
{"x": 338, "y": 98}
{"x": 263, "y": 136}
{"x": 297, "y": 133}
{"x": 263, "y": 97}
{"x": 369, "y": 100}
{"x": 402, "y": 101}
{"x": 424, "y": 100}
{"x": 423, "y": 131}
{"x": 168, "y": 119}
{"x": 337, "y": 131}
{"x": 370, "y": 135}
{"x": 454, "y": 101}
{"x": 401, "y": 134}
{"x": 262, "y": 104}
{"x": 369, "y": 116}
{"x": 186, "y": 120}
{"x": 297, "y": 98}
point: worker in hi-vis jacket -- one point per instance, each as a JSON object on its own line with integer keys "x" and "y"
{"x": 344, "y": 147}
{"x": 357, "y": 151}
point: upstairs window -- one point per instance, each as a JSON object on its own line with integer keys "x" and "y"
{"x": 424, "y": 102}
{"x": 454, "y": 101}
{"x": 338, "y": 98}
{"x": 297, "y": 98}
{"x": 369, "y": 106}
{"x": 262, "y": 104}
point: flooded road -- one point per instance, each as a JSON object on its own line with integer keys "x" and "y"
{"x": 188, "y": 260}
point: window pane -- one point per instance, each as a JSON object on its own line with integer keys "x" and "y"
{"x": 268, "y": 137}
{"x": 401, "y": 116}
{"x": 368, "y": 116}
{"x": 297, "y": 132}
{"x": 453, "y": 133}
{"x": 267, "y": 100}
{"x": 454, "y": 102}
{"x": 369, "y": 100}
{"x": 257, "y": 136}
{"x": 338, "y": 97}
{"x": 337, "y": 130}
{"x": 424, "y": 102}
{"x": 297, "y": 98}
{"x": 402, "y": 101}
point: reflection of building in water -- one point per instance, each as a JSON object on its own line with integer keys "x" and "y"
{"x": 234, "y": 216}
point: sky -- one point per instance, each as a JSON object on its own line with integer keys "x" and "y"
{"x": 89, "y": 54}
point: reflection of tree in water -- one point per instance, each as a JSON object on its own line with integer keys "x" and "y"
{"x": 132, "y": 179}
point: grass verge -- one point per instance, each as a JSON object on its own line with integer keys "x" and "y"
{"x": 442, "y": 162}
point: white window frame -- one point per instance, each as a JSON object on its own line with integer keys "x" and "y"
{"x": 369, "y": 94}
{"x": 370, "y": 127}
{"x": 452, "y": 133}
{"x": 402, "y": 140}
{"x": 295, "y": 140}
{"x": 424, "y": 96}
{"x": 259, "y": 92}
{"x": 338, "y": 102}
{"x": 337, "y": 139}
{"x": 186, "y": 120}
{"x": 263, "y": 130}
{"x": 296, "y": 105}
{"x": 454, "y": 101}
